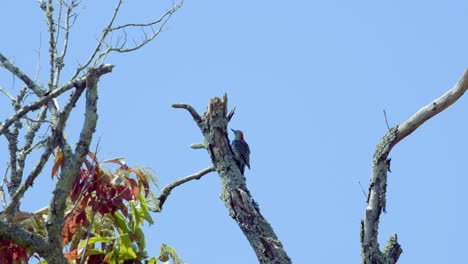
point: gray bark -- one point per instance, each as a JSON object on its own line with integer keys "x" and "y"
{"x": 237, "y": 198}
{"x": 376, "y": 200}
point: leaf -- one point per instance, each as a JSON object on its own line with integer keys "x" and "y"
{"x": 134, "y": 187}
{"x": 92, "y": 240}
{"x": 72, "y": 255}
{"x": 152, "y": 261}
{"x": 116, "y": 161}
{"x": 107, "y": 258}
{"x": 142, "y": 178}
{"x": 126, "y": 251}
{"x": 136, "y": 214}
{"x": 121, "y": 224}
{"x": 94, "y": 251}
{"x": 140, "y": 237}
{"x": 93, "y": 157}
{"x": 144, "y": 210}
{"x": 59, "y": 162}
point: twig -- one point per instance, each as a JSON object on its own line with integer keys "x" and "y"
{"x": 386, "y": 121}
{"x": 191, "y": 110}
{"x": 161, "y": 199}
{"x": 162, "y": 21}
{"x": 198, "y": 146}
{"x": 362, "y": 189}
{"x": 3, "y": 90}
{"x": 5, "y": 63}
{"x": 101, "y": 41}
{"x": 60, "y": 59}
{"x": 83, "y": 256}
{"x": 103, "y": 69}
{"x": 231, "y": 114}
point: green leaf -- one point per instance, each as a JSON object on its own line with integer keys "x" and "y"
{"x": 125, "y": 240}
{"x": 93, "y": 240}
{"x": 141, "y": 238}
{"x": 136, "y": 214}
{"x": 120, "y": 221}
{"x": 144, "y": 209}
{"x": 152, "y": 261}
{"x": 94, "y": 251}
{"x": 126, "y": 251}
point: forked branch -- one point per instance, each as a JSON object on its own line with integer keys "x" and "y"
{"x": 376, "y": 201}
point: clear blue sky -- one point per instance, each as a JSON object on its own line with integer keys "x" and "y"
{"x": 310, "y": 80}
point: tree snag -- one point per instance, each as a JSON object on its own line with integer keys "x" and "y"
{"x": 240, "y": 204}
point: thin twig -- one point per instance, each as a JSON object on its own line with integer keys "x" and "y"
{"x": 386, "y": 120}
{"x": 5, "y": 63}
{"x": 101, "y": 41}
{"x": 45, "y": 99}
{"x": 161, "y": 199}
{"x": 362, "y": 189}
{"x": 3, "y": 90}
{"x": 88, "y": 236}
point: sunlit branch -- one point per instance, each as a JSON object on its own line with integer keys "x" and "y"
{"x": 161, "y": 199}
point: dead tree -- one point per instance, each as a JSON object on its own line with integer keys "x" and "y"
{"x": 237, "y": 198}
{"x": 52, "y": 119}
{"x": 376, "y": 200}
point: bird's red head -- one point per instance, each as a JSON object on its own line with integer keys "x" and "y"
{"x": 238, "y": 134}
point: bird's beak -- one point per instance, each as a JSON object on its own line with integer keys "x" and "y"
{"x": 233, "y": 130}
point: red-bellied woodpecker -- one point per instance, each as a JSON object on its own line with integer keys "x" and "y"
{"x": 241, "y": 150}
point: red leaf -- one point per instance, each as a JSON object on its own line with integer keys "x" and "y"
{"x": 116, "y": 161}
{"x": 72, "y": 255}
{"x": 81, "y": 218}
{"x": 135, "y": 188}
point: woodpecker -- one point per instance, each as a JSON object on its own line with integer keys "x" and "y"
{"x": 241, "y": 150}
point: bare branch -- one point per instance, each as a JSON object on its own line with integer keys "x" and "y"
{"x": 5, "y": 63}
{"x": 23, "y": 238}
{"x": 433, "y": 108}
{"x": 103, "y": 69}
{"x": 231, "y": 114}
{"x": 191, "y": 110}
{"x": 12, "y": 138}
{"x": 2, "y": 190}
{"x": 68, "y": 24}
{"x": 161, "y": 21}
{"x": 49, "y": 14}
{"x": 376, "y": 200}
{"x": 72, "y": 166}
{"x": 198, "y": 146}
{"x": 29, "y": 138}
{"x": 101, "y": 41}
{"x": 52, "y": 141}
{"x": 386, "y": 120}
{"x": 161, "y": 199}
{"x": 3, "y": 90}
